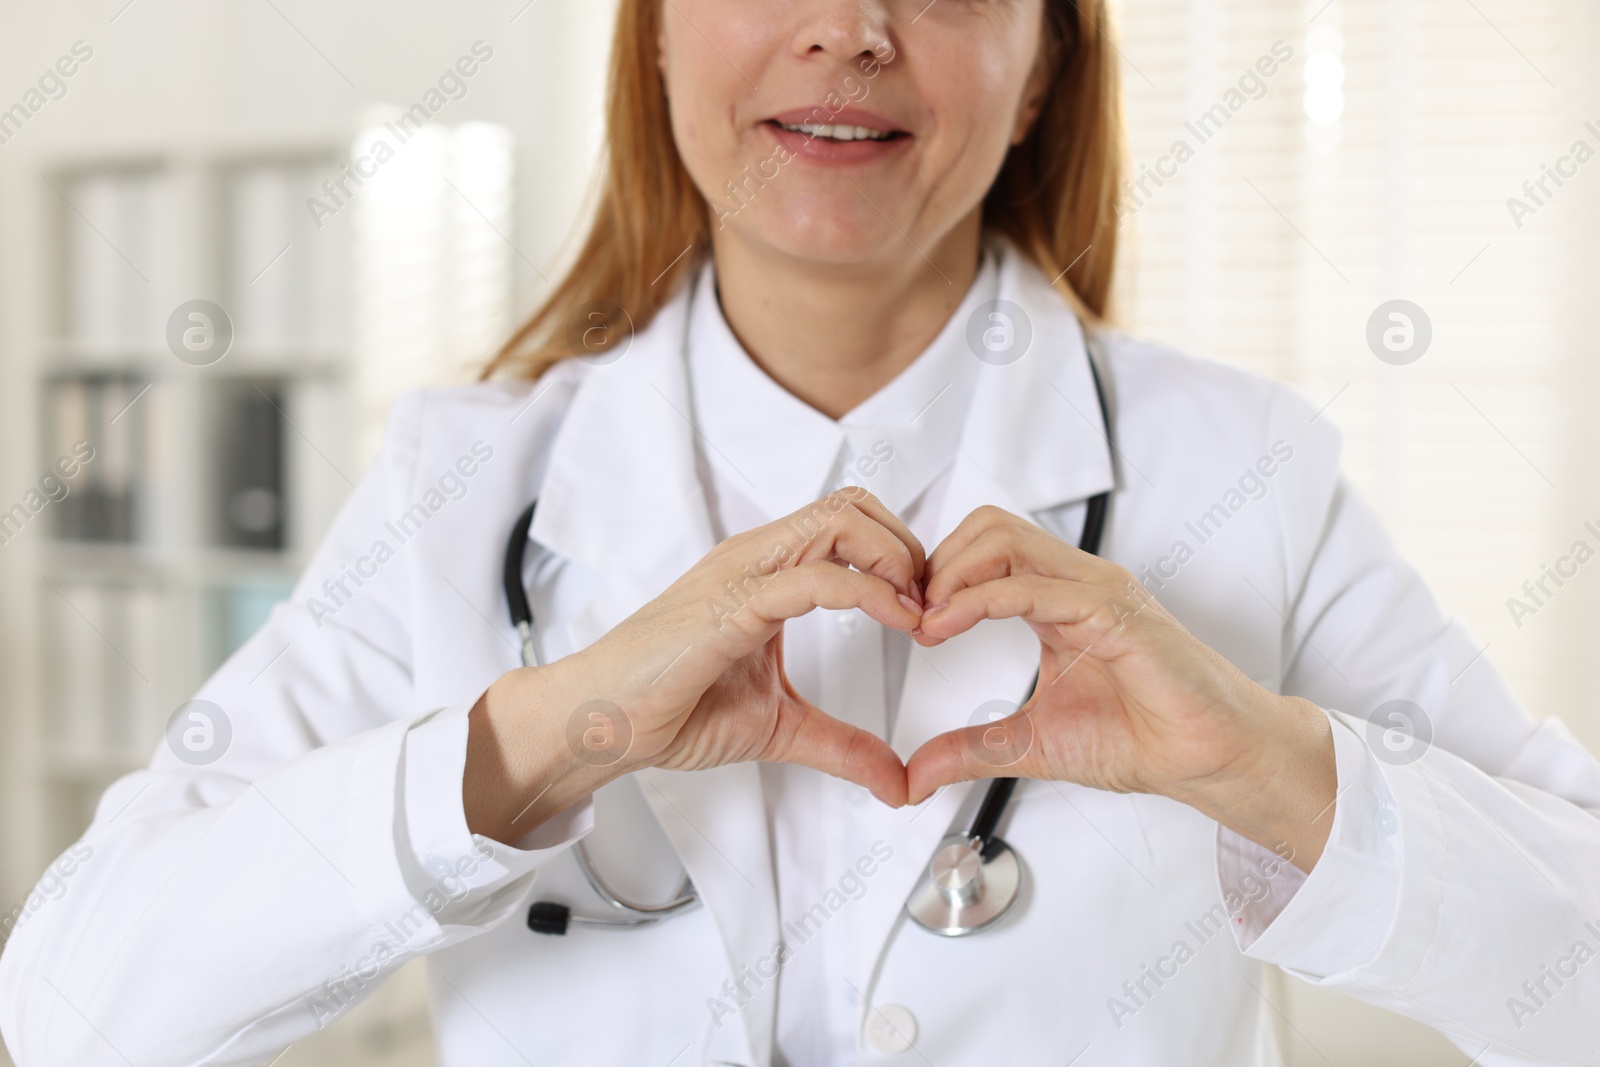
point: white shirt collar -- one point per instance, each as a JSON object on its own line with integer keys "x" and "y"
{"x": 781, "y": 453}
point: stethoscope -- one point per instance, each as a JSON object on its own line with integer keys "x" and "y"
{"x": 547, "y": 916}
{"x": 973, "y": 878}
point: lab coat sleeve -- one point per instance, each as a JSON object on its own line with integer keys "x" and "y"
{"x": 1354, "y": 901}
{"x": 477, "y": 878}
{"x": 225, "y": 905}
{"x": 1461, "y": 882}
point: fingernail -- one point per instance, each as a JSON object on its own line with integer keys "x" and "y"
{"x": 928, "y": 613}
{"x": 911, "y": 605}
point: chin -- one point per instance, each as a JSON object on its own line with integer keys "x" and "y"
{"x": 829, "y": 233}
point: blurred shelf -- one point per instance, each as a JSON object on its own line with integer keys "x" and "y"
{"x": 70, "y": 357}
{"x": 128, "y": 561}
{"x": 133, "y": 562}
{"x": 190, "y": 464}
{"x": 74, "y": 356}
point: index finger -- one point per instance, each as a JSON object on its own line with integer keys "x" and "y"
{"x": 875, "y": 508}
{"x": 852, "y": 504}
{"x": 1007, "y": 549}
{"x": 977, "y": 523}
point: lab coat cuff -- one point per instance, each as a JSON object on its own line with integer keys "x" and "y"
{"x": 453, "y": 864}
{"x": 1338, "y": 916}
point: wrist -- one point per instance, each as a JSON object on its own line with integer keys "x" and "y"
{"x": 525, "y": 760}
{"x": 1281, "y": 794}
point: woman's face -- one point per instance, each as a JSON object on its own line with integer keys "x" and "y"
{"x": 847, "y": 131}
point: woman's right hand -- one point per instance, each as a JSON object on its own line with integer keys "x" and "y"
{"x": 695, "y": 679}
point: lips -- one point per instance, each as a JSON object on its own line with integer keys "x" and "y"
{"x": 839, "y": 132}
{"x": 850, "y": 135}
{"x": 845, "y": 126}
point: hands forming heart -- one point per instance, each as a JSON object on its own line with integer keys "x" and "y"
{"x": 1127, "y": 700}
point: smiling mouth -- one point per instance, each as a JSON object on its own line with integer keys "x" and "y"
{"x": 839, "y": 133}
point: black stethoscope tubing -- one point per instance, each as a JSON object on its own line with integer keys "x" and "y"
{"x": 998, "y": 798}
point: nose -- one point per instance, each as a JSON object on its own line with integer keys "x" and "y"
{"x": 843, "y": 29}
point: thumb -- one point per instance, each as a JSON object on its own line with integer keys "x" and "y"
{"x": 1001, "y": 749}
{"x": 817, "y": 740}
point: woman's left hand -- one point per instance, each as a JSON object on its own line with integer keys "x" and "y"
{"x": 1127, "y": 700}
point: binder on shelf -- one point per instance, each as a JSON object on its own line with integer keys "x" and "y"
{"x": 124, "y": 676}
{"x": 269, "y": 281}
{"x": 67, "y": 423}
{"x": 286, "y": 276}
{"x": 329, "y": 262}
{"x": 102, "y": 501}
{"x": 144, "y": 717}
{"x": 77, "y": 615}
{"x": 107, "y": 643}
{"x": 109, "y": 246}
{"x": 249, "y": 501}
{"x": 119, "y": 457}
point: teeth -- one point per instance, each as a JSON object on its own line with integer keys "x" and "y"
{"x": 837, "y": 133}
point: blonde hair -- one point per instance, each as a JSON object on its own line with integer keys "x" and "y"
{"x": 1054, "y": 198}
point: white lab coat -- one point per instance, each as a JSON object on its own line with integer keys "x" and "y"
{"x": 226, "y": 911}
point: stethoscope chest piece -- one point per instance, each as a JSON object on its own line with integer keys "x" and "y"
{"x": 966, "y": 887}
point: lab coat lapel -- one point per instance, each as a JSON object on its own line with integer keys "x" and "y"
{"x": 622, "y": 497}
{"x": 1034, "y": 440}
